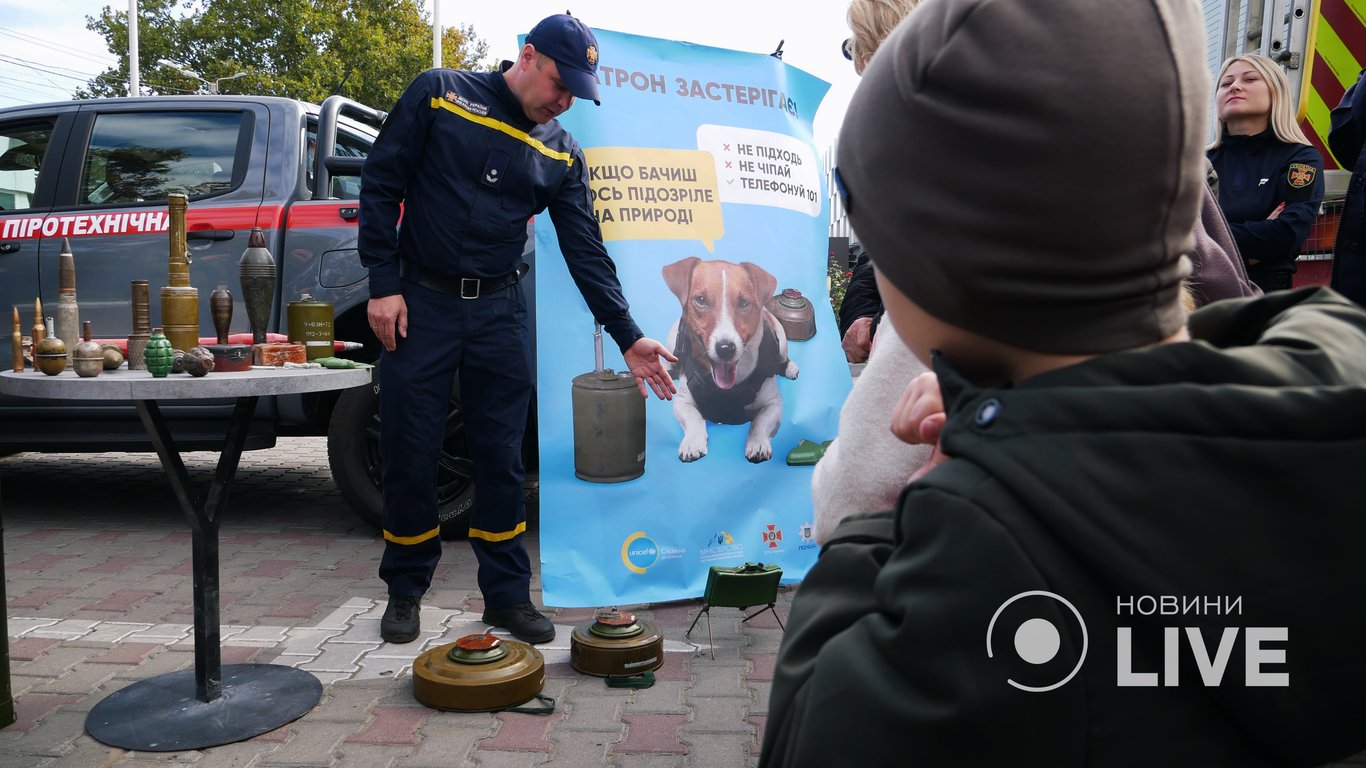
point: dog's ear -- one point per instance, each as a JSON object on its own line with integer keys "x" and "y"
{"x": 765, "y": 283}
{"x": 678, "y": 276}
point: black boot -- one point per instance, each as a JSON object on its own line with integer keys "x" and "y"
{"x": 523, "y": 621}
{"x": 401, "y": 622}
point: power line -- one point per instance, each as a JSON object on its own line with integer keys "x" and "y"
{"x": 53, "y": 46}
{"x": 83, "y": 77}
{"x": 46, "y": 68}
{"x": 35, "y": 70}
{"x": 6, "y": 76}
{"x": 113, "y": 80}
{"x": 81, "y": 72}
{"x": 24, "y": 85}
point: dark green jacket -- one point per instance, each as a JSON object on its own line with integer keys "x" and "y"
{"x": 1144, "y": 488}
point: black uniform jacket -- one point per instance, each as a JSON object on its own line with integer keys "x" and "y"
{"x": 861, "y": 296}
{"x": 469, "y": 169}
{"x": 1256, "y": 174}
{"x": 1183, "y": 476}
{"x": 1345, "y": 139}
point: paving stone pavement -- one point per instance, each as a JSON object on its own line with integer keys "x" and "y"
{"x": 97, "y": 558}
{"x": 98, "y": 595}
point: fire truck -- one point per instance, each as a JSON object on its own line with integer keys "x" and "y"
{"x": 1321, "y": 44}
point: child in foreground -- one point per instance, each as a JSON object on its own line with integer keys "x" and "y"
{"x": 1141, "y": 543}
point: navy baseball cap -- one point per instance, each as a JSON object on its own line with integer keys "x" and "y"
{"x": 571, "y": 44}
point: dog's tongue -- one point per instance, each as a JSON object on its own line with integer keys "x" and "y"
{"x": 723, "y": 374}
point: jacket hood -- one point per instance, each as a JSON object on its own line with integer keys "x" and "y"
{"x": 1221, "y": 467}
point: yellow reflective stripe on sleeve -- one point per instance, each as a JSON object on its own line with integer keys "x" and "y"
{"x": 475, "y": 533}
{"x": 499, "y": 125}
{"x": 418, "y": 539}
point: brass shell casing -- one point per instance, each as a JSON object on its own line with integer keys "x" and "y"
{"x": 180, "y": 316}
{"x": 17, "y": 345}
{"x": 39, "y": 330}
{"x": 179, "y": 300}
{"x": 68, "y": 313}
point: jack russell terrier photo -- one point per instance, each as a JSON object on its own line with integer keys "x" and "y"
{"x": 729, "y": 348}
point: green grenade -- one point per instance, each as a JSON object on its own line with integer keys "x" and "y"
{"x": 160, "y": 356}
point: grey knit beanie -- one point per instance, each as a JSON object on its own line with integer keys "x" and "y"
{"x": 1030, "y": 170}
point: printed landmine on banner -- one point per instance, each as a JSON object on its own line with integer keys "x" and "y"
{"x": 763, "y": 168}
{"x": 641, "y": 193}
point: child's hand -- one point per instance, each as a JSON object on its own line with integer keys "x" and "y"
{"x": 919, "y": 418}
{"x": 919, "y": 415}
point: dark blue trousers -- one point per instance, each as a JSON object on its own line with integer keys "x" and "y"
{"x": 487, "y": 339}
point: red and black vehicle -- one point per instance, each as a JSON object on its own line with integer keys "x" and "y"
{"x": 98, "y": 172}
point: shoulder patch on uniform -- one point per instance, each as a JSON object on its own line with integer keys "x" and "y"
{"x": 1300, "y": 175}
{"x": 464, "y": 103}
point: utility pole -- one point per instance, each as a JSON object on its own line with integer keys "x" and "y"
{"x": 134, "y": 87}
{"x": 436, "y": 34}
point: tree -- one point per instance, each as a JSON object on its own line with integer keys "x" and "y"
{"x": 367, "y": 50}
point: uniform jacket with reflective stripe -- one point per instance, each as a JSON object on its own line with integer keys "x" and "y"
{"x": 469, "y": 168}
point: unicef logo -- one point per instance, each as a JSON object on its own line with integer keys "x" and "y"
{"x": 1036, "y": 641}
{"x": 639, "y": 552}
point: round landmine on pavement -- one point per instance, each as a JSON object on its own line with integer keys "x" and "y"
{"x": 478, "y": 673}
{"x": 616, "y": 644}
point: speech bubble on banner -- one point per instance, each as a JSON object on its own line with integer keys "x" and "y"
{"x": 640, "y": 193}
{"x": 763, "y": 168}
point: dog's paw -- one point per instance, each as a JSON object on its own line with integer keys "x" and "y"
{"x": 758, "y": 450}
{"x": 791, "y": 370}
{"x": 692, "y": 449}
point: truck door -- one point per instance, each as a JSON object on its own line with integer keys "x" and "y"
{"x": 30, "y": 161}
{"x": 112, "y": 201}
{"x": 325, "y": 229}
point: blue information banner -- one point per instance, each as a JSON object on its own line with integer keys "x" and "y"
{"x": 711, "y": 199}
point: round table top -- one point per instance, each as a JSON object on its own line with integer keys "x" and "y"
{"x": 125, "y": 384}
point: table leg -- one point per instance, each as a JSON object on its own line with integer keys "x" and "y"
{"x": 225, "y": 705}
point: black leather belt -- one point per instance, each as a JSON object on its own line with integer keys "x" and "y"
{"x": 464, "y": 287}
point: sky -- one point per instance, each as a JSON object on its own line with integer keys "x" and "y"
{"x": 46, "y": 51}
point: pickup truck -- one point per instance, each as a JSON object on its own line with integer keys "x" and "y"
{"x": 98, "y": 172}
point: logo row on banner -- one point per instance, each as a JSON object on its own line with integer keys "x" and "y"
{"x": 640, "y": 552}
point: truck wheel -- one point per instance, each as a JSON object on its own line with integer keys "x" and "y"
{"x": 353, "y": 453}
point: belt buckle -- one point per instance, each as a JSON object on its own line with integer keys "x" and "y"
{"x": 465, "y": 283}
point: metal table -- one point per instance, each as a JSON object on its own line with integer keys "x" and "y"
{"x": 211, "y": 704}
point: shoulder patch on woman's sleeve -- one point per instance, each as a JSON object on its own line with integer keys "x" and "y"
{"x": 1300, "y": 175}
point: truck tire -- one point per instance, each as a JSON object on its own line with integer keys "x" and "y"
{"x": 354, "y": 456}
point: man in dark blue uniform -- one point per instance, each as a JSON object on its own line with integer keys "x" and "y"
{"x": 466, "y": 158}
